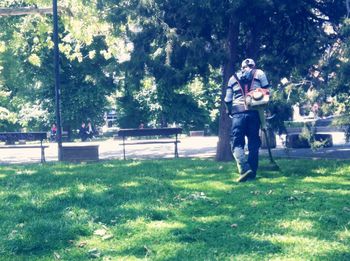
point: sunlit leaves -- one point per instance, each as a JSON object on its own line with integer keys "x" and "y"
{"x": 2, "y": 46}
{"x": 31, "y": 112}
{"x": 180, "y": 45}
{"x": 34, "y": 60}
{"x": 119, "y": 48}
{"x": 92, "y": 54}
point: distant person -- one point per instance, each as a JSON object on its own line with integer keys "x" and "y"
{"x": 315, "y": 109}
{"x": 90, "y": 131}
{"x": 142, "y": 125}
{"x": 53, "y": 132}
{"x": 82, "y": 132}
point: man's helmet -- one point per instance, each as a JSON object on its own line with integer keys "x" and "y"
{"x": 248, "y": 62}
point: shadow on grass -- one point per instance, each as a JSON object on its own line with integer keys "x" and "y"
{"x": 190, "y": 208}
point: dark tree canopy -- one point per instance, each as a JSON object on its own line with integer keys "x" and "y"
{"x": 167, "y": 62}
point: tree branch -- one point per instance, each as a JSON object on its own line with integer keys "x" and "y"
{"x": 24, "y": 11}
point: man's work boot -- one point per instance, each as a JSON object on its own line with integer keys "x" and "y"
{"x": 245, "y": 176}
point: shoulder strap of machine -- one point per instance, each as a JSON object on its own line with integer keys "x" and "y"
{"x": 243, "y": 93}
{"x": 251, "y": 83}
{"x": 239, "y": 84}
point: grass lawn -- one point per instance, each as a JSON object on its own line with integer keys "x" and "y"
{"x": 179, "y": 209}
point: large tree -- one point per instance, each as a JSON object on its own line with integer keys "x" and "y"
{"x": 177, "y": 40}
{"x": 282, "y": 36}
{"x": 160, "y": 53}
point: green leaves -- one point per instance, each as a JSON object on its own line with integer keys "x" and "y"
{"x": 108, "y": 46}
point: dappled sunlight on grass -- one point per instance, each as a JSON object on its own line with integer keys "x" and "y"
{"x": 55, "y": 193}
{"x": 274, "y": 179}
{"x": 179, "y": 209}
{"x": 204, "y": 185}
{"x": 327, "y": 180}
{"x": 75, "y": 213}
{"x": 62, "y": 172}
{"x": 26, "y": 172}
{"x": 144, "y": 238}
{"x": 298, "y": 244}
{"x": 137, "y": 206}
{"x": 344, "y": 235}
{"x": 216, "y": 185}
{"x": 164, "y": 225}
{"x": 133, "y": 163}
{"x": 334, "y": 192}
{"x": 321, "y": 171}
{"x": 130, "y": 184}
{"x": 296, "y": 225}
{"x": 93, "y": 188}
{"x": 108, "y": 165}
{"x": 197, "y": 175}
{"x": 211, "y": 219}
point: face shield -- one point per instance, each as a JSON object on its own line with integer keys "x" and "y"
{"x": 247, "y": 65}
{"x": 245, "y": 69}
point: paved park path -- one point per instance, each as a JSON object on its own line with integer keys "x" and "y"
{"x": 201, "y": 147}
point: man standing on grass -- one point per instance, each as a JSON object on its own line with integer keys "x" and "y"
{"x": 245, "y": 120}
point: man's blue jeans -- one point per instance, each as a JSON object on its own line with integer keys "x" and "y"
{"x": 246, "y": 124}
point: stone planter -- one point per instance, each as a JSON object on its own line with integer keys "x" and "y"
{"x": 80, "y": 153}
{"x": 197, "y": 133}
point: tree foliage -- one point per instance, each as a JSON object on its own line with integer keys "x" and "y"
{"x": 87, "y": 69}
{"x": 167, "y": 62}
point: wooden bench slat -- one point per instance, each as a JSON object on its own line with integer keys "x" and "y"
{"x": 28, "y": 136}
{"x": 22, "y": 147}
{"x": 11, "y": 137}
{"x": 124, "y": 133}
{"x": 149, "y": 142}
{"x": 148, "y": 132}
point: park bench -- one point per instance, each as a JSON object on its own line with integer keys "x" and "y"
{"x": 64, "y": 136}
{"x": 157, "y": 132}
{"x": 10, "y": 139}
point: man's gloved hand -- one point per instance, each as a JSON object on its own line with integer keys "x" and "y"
{"x": 229, "y": 113}
{"x": 229, "y": 109}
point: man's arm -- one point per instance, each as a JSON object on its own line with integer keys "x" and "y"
{"x": 228, "y": 106}
{"x": 229, "y": 96}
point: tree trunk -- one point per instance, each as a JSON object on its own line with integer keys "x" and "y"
{"x": 252, "y": 46}
{"x": 223, "y": 150}
{"x": 69, "y": 133}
